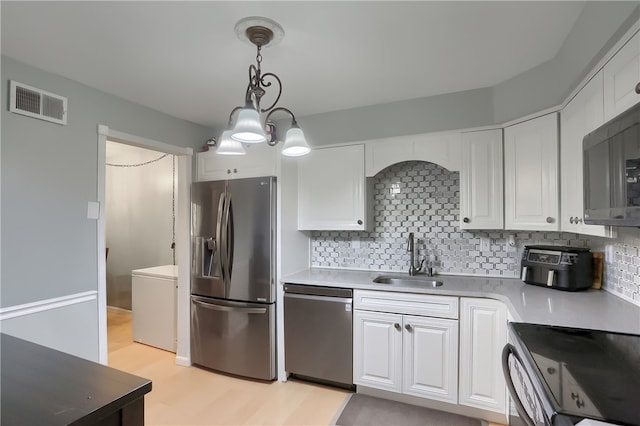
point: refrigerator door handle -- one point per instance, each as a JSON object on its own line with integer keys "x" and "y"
{"x": 230, "y": 240}
{"x": 220, "y": 235}
{"x": 230, "y": 308}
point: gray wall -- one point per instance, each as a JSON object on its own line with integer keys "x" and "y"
{"x": 599, "y": 26}
{"x": 49, "y": 173}
{"x": 444, "y": 112}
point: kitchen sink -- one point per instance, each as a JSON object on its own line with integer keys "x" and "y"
{"x": 403, "y": 280}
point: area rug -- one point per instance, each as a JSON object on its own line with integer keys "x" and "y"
{"x": 363, "y": 410}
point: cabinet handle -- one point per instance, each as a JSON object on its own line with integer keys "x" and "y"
{"x": 359, "y": 222}
{"x": 638, "y": 88}
{"x": 549, "y": 219}
{"x": 408, "y": 327}
{"x": 397, "y": 326}
{"x": 466, "y": 220}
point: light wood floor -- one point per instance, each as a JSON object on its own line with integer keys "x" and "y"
{"x": 193, "y": 396}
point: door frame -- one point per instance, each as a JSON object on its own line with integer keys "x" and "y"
{"x": 183, "y": 230}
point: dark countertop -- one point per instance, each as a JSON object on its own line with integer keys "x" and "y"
{"x": 43, "y": 386}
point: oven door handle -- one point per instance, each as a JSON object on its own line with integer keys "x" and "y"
{"x": 507, "y": 351}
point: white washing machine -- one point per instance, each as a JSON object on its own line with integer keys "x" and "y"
{"x": 153, "y": 306}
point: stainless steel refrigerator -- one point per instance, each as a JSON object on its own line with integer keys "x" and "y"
{"x": 233, "y": 276}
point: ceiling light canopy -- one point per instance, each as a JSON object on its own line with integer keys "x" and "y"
{"x": 250, "y": 127}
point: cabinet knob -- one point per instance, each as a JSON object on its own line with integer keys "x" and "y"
{"x": 578, "y": 220}
{"x": 571, "y": 219}
{"x": 359, "y": 222}
{"x": 638, "y": 88}
{"x": 228, "y": 171}
{"x": 466, "y": 220}
{"x": 408, "y": 327}
{"x": 549, "y": 219}
{"x": 397, "y": 326}
{"x": 235, "y": 170}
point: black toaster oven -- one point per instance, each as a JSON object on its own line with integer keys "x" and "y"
{"x": 558, "y": 267}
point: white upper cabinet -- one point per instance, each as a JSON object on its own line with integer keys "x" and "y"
{"x": 481, "y": 192}
{"x": 621, "y": 75}
{"x": 531, "y": 175}
{"x": 439, "y": 148}
{"x": 332, "y": 190}
{"x": 582, "y": 115}
{"x": 260, "y": 160}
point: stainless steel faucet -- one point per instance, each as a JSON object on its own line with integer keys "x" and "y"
{"x": 412, "y": 263}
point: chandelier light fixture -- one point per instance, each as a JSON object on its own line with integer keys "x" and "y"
{"x": 250, "y": 127}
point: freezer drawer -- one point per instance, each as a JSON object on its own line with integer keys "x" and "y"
{"x": 318, "y": 334}
{"x": 233, "y": 337}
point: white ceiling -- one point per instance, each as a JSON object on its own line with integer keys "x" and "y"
{"x": 184, "y": 59}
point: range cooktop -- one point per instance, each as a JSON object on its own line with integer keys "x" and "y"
{"x": 586, "y": 373}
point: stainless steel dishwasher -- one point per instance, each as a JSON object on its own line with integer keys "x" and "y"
{"x": 318, "y": 333}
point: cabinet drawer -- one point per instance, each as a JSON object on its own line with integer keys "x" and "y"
{"x": 406, "y": 303}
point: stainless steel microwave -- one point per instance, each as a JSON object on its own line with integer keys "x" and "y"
{"x": 611, "y": 165}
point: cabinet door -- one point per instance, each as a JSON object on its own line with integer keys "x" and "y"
{"x": 260, "y": 160}
{"x": 377, "y": 350}
{"x": 481, "y": 193}
{"x": 621, "y": 75}
{"x": 483, "y": 334}
{"x": 531, "y": 175}
{"x": 582, "y": 115}
{"x": 430, "y": 347}
{"x": 332, "y": 189}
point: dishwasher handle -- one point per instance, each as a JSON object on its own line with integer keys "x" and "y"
{"x": 318, "y": 298}
{"x": 317, "y": 290}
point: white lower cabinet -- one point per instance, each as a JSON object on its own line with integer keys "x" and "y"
{"x": 430, "y": 348}
{"x": 483, "y": 334}
{"x": 414, "y": 345}
{"x": 412, "y": 354}
{"x": 377, "y": 350}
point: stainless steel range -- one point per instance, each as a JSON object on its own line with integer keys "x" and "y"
{"x": 560, "y": 375}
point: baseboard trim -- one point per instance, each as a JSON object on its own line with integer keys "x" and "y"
{"x": 46, "y": 305}
{"x": 183, "y": 361}
{"x": 436, "y": 405}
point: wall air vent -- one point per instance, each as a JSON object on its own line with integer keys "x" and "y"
{"x": 36, "y": 103}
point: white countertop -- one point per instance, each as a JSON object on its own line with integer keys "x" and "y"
{"x": 591, "y": 309}
{"x": 164, "y": 271}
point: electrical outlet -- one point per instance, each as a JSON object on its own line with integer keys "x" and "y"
{"x": 355, "y": 242}
{"x": 485, "y": 244}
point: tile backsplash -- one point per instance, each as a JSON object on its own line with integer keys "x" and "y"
{"x": 423, "y": 198}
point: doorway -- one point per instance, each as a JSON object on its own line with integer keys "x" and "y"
{"x": 140, "y": 204}
{"x": 142, "y": 152}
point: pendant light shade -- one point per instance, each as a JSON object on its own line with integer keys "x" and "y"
{"x": 295, "y": 144}
{"x": 248, "y": 128}
{"x": 229, "y": 146}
